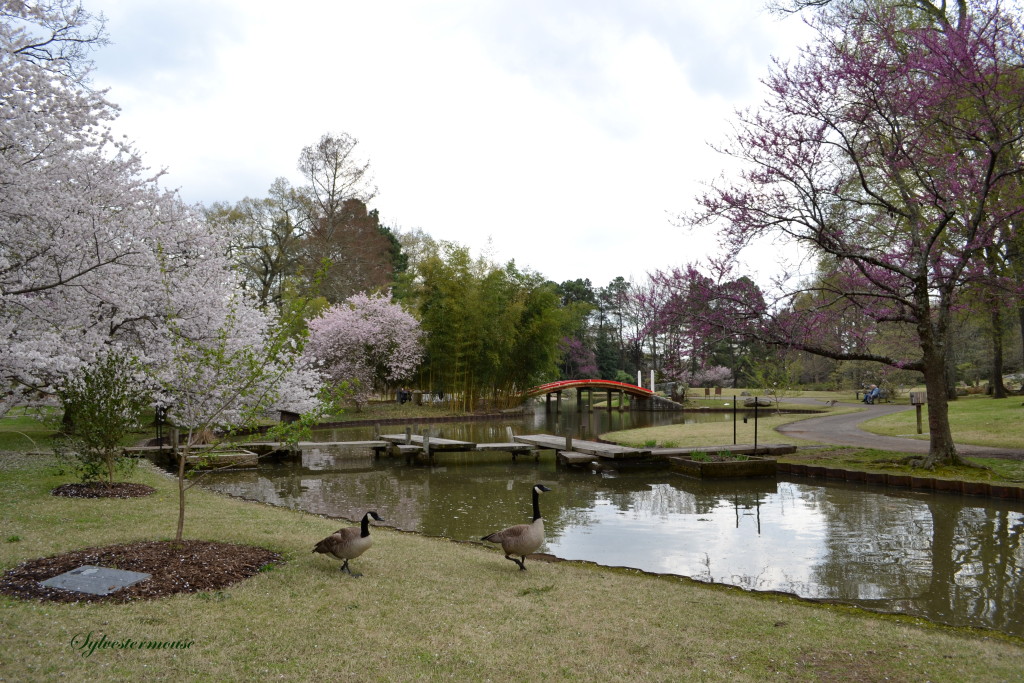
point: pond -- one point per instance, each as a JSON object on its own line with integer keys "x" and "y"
{"x": 567, "y": 421}
{"x": 952, "y": 559}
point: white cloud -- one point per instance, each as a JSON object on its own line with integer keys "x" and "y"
{"x": 566, "y": 131}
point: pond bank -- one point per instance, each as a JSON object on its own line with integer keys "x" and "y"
{"x": 464, "y": 612}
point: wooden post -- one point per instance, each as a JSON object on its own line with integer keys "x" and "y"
{"x": 376, "y": 431}
{"x": 508, "y": 434}
{"x": 918, "y": 399}
{"x": 568, "y": 442}
{"x": 408, "y": 435}
{"x": 734, "y": 419}
{"x": 426, "y": 448}
{"x": 755, "y": 424}
{"x": 558, "y": 402}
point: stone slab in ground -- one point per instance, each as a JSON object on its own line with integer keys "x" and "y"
{"x": 95, "y": 580}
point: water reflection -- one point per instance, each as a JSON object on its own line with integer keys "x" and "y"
{"x": 953, "y": 559}
{"x": 585, "y": 424}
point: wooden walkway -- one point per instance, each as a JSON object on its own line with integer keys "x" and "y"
{"x": 415, "y": 446}
{"x": 609, "y": 451}
{"x": 570, "y": 451}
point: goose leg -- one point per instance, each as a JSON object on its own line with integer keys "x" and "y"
{"x": 522, "y": 567}
{"x": 344, "y": 567}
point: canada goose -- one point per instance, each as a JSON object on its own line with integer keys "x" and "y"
{"x": 349, "y": 542}
{"x": 522, "y": 539}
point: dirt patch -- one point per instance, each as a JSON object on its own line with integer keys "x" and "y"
{"x": 95, "y": 489}
{"x": 188, "y": 567}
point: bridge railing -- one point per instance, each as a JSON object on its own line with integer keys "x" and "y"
{"x": 591, "y": 384}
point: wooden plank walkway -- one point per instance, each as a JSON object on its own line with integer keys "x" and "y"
{"x": 510, "y": 447}
{"x": 301, "y": 445}
{"x": 574, "y": 459}
{"x": 602, "y": 450}
{"x": 582, "y": 451}
{"x": 436, "y": 443}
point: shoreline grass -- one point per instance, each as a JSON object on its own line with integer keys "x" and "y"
{"x": 431, "y": 608}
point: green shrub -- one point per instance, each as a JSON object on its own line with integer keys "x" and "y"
{"x": 102, "y": 404}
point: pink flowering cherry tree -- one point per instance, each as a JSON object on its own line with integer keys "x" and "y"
{"x": 368, "y": 342}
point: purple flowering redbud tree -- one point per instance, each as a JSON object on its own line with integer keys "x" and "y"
{"x": 890, "y": 150}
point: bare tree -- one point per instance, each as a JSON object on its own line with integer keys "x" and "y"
{"x": 335, "y": 174}
{"x": 344, "y": 240}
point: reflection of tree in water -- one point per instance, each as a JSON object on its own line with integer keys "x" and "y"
{"x": 953, "y": 559}
{"x": 977, "y": 567}
{"x": 766, "y": 580}
{"x": 659, "y": 500}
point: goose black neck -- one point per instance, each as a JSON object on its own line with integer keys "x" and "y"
{"x": 536, "y": 505}
{"x": 364, "y": 529}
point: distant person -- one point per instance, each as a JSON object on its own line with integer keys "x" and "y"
{"x": 872, "y": 394}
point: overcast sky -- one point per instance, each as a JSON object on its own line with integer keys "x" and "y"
{"x": 568, "y": 133}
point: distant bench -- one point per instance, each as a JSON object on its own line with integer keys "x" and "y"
{"x": 883, "y": 395}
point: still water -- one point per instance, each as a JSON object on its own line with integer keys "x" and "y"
{"x": 952, "y": 559}
{"x": 579, "y": 424}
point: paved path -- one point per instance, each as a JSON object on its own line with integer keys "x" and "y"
{"x": 844, "y": 430}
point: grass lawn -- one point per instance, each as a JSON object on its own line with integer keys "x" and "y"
{"x": 428, "y": 608}
{"x": 24, "y": 429}
{"x": 392, "y": 410}
{"x": 997, "y": 470}
{"x": 717, "y": 433}
{"x": 728, "y": 393}
{"x": 978, "y": 420}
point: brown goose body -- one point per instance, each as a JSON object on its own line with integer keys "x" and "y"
{"x": 350, "y": 542}
{"x": 522, "y": 539}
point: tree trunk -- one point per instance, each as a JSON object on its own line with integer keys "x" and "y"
{"x": 941, "y": 449}
{"x": 182, "y": 457}
{"x": 949, "y": 378}
{"x": 1020, "y": 318}
{"x": 998, "y": 390}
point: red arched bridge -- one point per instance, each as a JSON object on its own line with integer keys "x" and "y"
{"x": 647, "y": 399}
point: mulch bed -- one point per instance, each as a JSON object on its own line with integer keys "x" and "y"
{"x": 187, "y": 567}
{"x": 97, "y": 489}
